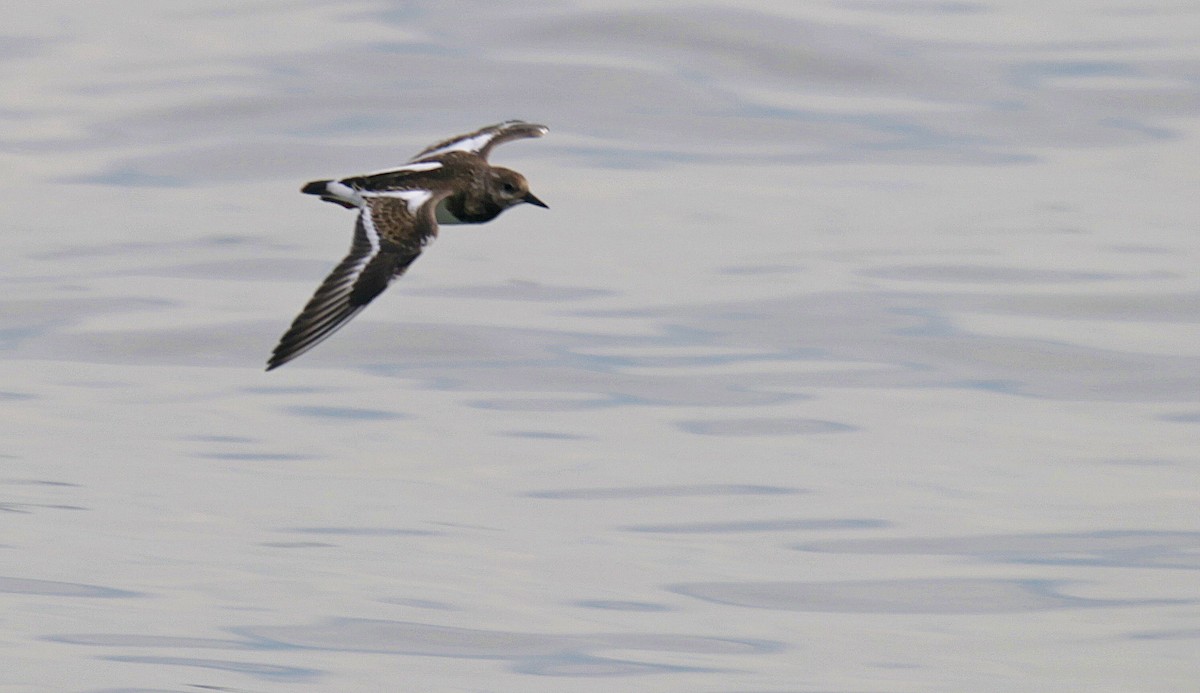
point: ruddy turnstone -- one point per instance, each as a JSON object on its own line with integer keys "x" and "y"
{"x": 399, "y": 212}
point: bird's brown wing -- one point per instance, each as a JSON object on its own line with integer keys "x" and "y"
{"x": 392, "y": 229}
{"x": 483, "y": 140}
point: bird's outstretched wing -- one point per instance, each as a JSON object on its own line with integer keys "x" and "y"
{"x": 390, "y": 232}
{"x": 396, "y": 219}
{"x": 483, "y": 140}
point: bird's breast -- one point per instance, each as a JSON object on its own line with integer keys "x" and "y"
{"x": 443, "y": 214}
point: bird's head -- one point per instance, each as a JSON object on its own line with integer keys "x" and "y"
{"x": 510, "y": 188}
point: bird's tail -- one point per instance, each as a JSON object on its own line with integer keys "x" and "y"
{"x": 334, "y": 191}
{"x": 317, "y": 187}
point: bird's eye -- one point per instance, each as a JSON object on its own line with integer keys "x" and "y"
{"x": 509, "y": 188}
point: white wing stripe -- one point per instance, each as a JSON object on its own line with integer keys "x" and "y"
{"x": 413, "y": 198}
{"x": 415, "y": 168}
{"x": 467, "y": 144}
{"x": 371, "y": 233}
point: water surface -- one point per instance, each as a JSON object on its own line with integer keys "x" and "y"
{"x": 859, "y": 350}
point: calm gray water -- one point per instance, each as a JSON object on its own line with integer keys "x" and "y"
{"x": 859, "y": 351}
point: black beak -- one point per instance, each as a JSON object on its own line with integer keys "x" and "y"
{"x": 534, "y": 201}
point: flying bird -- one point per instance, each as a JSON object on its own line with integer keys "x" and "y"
{"x": 399, "y": 210}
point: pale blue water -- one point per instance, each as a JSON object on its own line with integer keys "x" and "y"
{"x": 859, "y": 350}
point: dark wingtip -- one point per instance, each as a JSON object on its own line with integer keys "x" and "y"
{"x": 275, "y": 361}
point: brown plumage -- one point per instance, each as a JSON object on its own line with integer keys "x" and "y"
{"x": 399, "y": 212}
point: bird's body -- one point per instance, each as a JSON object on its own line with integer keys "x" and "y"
{"x": 399, "y": 212}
